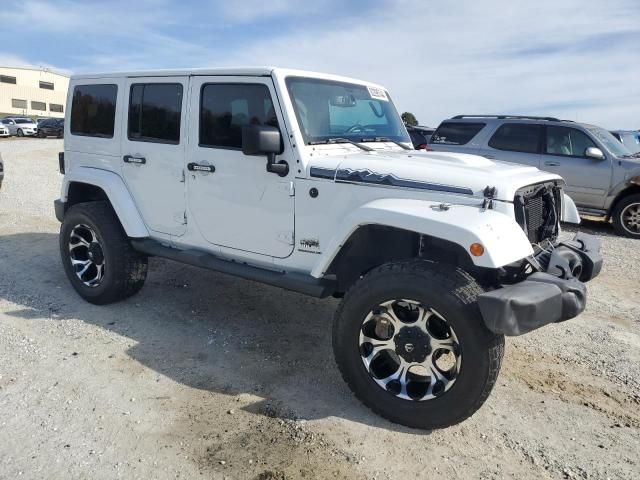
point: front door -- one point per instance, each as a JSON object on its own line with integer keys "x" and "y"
{"x": 588, "y": 179}
{"x": 154, "y": 138}
{"x": 233, "y": 200}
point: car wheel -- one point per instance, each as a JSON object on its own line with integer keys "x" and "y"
{"x": 411, "y": 344}
{"x": 626, "y": 216}
{"x": 97, "y": 256}
{"x": 20, "y": 133}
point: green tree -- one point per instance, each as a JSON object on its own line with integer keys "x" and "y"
{"x": 409, "y": 119}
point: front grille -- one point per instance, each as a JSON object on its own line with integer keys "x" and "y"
{"x": 537, "y": 211}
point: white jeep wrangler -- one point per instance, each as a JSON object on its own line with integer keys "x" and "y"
{"x": 307, "y": 181}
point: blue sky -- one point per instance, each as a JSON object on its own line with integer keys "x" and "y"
{"x": 574, "y": 59}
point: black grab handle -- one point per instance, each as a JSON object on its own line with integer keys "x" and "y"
{"x": 196, "y": 167}
{"x": 136, "y": 160}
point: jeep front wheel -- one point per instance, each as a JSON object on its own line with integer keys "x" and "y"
{"x": 97, "y": 256}
{"x": 411, "y": 344}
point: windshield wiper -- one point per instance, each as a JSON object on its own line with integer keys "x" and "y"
{"x": 385, "y": 139}
{"x": 330, "y": 141}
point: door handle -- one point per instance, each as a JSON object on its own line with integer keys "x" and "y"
{"x": 197, "y": 167}
{"x": 134, "y": 160}
{"x": 552, "y": 164}
{"x": 490, "y": 157}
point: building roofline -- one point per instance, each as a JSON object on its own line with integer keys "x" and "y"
{"x": 37, "y": 69}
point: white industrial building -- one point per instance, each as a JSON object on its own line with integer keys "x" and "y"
{"x": 32, "y": 92}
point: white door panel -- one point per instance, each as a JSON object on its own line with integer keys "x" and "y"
{"x": 153, "y": 168}
{"x": 239, "y": 205}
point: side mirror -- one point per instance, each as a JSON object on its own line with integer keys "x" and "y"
{"x": 595, "y": 153}
{"x": 265, "y": 140}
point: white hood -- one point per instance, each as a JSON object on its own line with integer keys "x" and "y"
{"x": 452, "y": 172}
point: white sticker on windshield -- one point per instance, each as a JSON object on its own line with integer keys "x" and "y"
{"x": 378, "y": 93}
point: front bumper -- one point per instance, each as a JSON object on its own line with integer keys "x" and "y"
{"x": 544, "y": 297}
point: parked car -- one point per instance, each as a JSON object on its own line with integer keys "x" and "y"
{"x": 4, "y": 131}
{"x": 52, "y": 127}
{"x": 420, "y": 136}
{"x": 630, "y": 139}
{"x": 20, "y": 126}
{"x": 602, "y": 175}
{"x": 318, "y": 191}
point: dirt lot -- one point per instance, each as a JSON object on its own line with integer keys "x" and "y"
{"x": 202, "y": 375}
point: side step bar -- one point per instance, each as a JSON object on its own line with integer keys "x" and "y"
{"x": 592, "y": 212}
{"x": 296, "y": 282}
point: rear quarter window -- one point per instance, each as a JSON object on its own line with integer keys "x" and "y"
{"x": 455, "y": 133}
{"x": 517, "y": 137}
{"x": 93, "y": 110}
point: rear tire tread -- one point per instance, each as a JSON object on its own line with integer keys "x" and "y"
{"x": 129, "y": 269}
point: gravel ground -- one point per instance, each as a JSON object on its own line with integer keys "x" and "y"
{"x": 202, "y": 375}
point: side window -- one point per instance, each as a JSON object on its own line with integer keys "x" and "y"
{"x": 93, "y": 110}
{"x": 226, "y": 108}
{"x": 567, "y": 141}
{"x": 154, "y": 112}
{"x": 455, "y": 133}
{"x": 16, "y": 103}
{"x": 517, "y": 137}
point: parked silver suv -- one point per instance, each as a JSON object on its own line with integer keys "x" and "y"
{"x": 602, "y": 175}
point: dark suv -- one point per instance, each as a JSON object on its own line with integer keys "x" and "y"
{"x": 51, "y": 127}
{"x": 602, "y": 175}
{"x": 420, "y": 136}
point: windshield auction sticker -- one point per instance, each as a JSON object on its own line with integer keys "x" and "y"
{"x": 378, "y": 93}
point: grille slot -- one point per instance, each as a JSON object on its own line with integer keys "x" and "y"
{"x": 536, "y": 211}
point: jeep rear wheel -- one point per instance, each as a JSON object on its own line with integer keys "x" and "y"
{"x": 626, "y": 216}
{"x": 411, "y": 344}
{"x": 97, "y": 256}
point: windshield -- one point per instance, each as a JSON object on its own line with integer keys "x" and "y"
{"x": 329, "y": 109}
{"x": 631, "y": 140}
{"x": 23, "y": 120}
{"x": 610, "y": 142}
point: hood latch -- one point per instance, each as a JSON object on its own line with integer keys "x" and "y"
{"x": 489, "y": 194}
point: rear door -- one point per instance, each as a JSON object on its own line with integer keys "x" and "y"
{"x": 588, "y": 179}
{"x": 153, "y": 148}
{"x": 515, "y": 142}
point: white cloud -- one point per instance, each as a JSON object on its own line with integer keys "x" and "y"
{"x": 574, "y": 59}
{"x": 246, "y": 11}
{"x": 440, "y": 59}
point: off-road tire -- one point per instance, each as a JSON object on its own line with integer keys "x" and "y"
{"x": 125, "y": 268}
{"x": 453, "y": 293}
{"x": 616, "y": 215}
